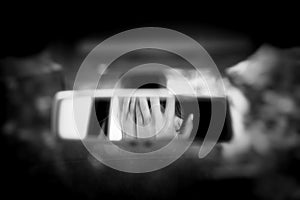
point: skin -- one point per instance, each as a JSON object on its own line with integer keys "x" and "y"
{"x": 139, "y": 120}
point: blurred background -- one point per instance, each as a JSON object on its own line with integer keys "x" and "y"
{"x": 41, "y": 53}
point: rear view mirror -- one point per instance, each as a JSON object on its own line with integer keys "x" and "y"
{"x": 64, "y": 126}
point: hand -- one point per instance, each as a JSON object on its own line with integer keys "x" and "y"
{"x": 157, "y": 124}
{"x": 124, "y": 117}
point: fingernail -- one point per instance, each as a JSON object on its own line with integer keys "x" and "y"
{"x": 191, "y": 116}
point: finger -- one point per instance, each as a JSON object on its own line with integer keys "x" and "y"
{"x": 155, "y": 108}
{"x": 139, "y": 121}
{"x": 187, "y": 128}
{"x": 145, "y": 110}
{"x": 115, "y": 122}
{"x": 115, "y": 108}
{"x": 132, "y": 105}
{"x": 131, "y": 113}
{"x": 170, "y": 108}
{"x": 125, "y": 107}
{"x": 130, "y": 122}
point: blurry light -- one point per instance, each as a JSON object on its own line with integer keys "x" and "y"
{"x": 115, "y": 134}
{"x": 67, "y": 128}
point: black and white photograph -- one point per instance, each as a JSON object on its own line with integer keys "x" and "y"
{"x": 136, "y": 104}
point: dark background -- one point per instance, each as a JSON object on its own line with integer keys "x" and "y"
{"x": 28, "y": 29}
